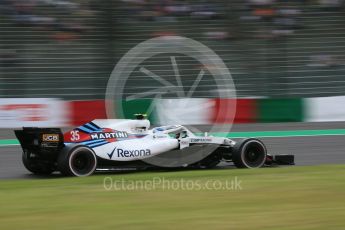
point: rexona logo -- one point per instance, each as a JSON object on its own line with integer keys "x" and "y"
{"x": 109, "y": 135}
{"x": 130, "y": 153}
{"x": 50, "y": 137}
{"x": 133, "y": 153}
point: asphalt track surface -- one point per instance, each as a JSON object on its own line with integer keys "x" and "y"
{"x": 308, "y": 150}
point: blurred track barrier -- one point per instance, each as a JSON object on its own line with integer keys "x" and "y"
{"x": 196, "y": 111}
{"x": 184, "y": 111}
{"x": 246, "y": 111}
{"x": 47, "y": 112}
{"x": 38, "y": 112}
{"x": 82, "y": 112}
{"x": 144, "y": 106}
{"x": 280, "y": 110}
{"x": 325, "y": 109}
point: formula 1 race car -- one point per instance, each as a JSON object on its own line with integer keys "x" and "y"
{"x": 124, "y": 143}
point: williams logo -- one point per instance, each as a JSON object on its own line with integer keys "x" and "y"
{"x": 129, "y": 153}
{"x": 108, "y": 135}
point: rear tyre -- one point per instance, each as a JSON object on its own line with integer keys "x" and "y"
{"x": 249, "y": 153}
{"x": 77, "y": 161}
{"x": 35, "y": 166}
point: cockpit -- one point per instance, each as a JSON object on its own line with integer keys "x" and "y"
{"x": 182, "y": 134}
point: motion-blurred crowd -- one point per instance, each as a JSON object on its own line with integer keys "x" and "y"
{"x": 281, "y": 15}
{"x": 275, "y": 31}
{"x": 67, "y": 16}
{"x": 64, "y": 18}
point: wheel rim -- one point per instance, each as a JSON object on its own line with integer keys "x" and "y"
{"x": 82, "y": 162}
{"x": 254, "y": 154}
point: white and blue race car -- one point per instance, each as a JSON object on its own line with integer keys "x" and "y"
{"x": 125, "y": 144}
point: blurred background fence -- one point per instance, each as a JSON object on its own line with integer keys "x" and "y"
{"x": 273, "y": 48}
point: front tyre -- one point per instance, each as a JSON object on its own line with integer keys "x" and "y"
{"x": 249, "y": 153}
{"x": 77, "y": 161}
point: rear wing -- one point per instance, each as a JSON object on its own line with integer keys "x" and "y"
{"x": 39, "y": 140}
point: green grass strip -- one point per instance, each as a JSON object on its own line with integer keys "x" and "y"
{"x": 294, "y": 198}
{"x": 9, "y": 142}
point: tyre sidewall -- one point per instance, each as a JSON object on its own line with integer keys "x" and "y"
{"x": 238, "y": 153}
{"x": 65, "y": 160}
